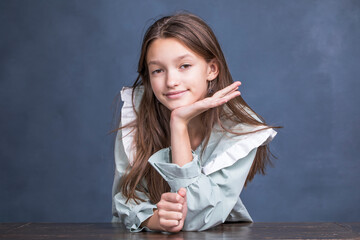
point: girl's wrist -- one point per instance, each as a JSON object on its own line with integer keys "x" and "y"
{"x": 178, "y": 126}
{"x": 175, "y": 121}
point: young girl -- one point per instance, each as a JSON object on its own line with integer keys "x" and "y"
{"x": 188, "y": 142}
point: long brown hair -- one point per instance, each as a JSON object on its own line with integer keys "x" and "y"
{"x": 152, "y": 130}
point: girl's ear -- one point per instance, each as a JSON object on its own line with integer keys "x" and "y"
{"x": 213, "y": 70}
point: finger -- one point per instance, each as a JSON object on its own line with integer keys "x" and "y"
{"x": 182, "y": 192}
{"x": 176, "y": 228}
{"x": 169, "y": 215}
{"x": 172, "y": 197}
{"x": 169, "y": 206}
{"x": 232, "y": 95}
{"x": 233, "y": 87}
{"x": 232, "y": 91}
{"x": 165, "y": 223}
{"x": 225, "y": 99}
{"x": 227, "y": 89}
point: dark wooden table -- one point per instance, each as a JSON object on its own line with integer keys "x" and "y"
{"x": 324, "y": 230}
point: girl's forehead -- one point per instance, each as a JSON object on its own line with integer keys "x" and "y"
{"x": 169, "y": 49}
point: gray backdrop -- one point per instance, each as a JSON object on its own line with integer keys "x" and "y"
{"x": 63, "y": 62}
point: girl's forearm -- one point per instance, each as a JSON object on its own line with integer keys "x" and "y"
{"x": 180, "y": 143}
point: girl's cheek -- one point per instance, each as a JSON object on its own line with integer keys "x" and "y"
{"x": 157, "y": 86}
{"x": 194, "y": 73}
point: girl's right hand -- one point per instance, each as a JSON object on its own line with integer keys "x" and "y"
{"x": 172, "y": 210}
{"x": 185, "y": 113}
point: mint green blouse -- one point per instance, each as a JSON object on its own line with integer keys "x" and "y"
{"x": 213, "y": 181}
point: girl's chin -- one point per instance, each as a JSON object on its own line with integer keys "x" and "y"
{"x": 172, "y": 107}
{"x": 174, "y": 104}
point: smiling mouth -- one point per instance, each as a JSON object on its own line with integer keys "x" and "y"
{"x": 175, "y": 94}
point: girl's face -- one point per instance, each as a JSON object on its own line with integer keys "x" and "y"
{"x": 178, "y": 76}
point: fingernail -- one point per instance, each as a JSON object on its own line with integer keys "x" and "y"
{"x": 180, "y": 215}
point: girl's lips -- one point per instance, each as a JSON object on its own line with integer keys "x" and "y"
{"x": 175, "y": 94}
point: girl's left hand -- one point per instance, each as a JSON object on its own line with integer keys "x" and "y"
{"x": 186, "y": 113}
{"x": 172, "y": 210}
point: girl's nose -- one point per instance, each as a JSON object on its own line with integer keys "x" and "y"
{"x": 172, "y": 79}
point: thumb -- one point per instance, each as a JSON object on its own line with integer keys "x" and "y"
{"x": 182, "y": 192}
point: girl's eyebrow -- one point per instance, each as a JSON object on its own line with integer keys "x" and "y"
{"x": 155, "y": 62}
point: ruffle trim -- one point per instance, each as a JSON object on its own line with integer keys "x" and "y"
{"x": 127, "y": 116}
{"x": 240, "y": 149}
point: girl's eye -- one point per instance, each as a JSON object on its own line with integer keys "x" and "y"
{"x": 156, "y": 71}
{"x": 185, "y": 66}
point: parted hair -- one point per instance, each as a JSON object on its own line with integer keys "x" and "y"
{"x": 151, "y": 126}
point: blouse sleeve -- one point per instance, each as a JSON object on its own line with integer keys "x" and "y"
{"x": 130, "y": 214}
{"x": 211, "y": 195}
